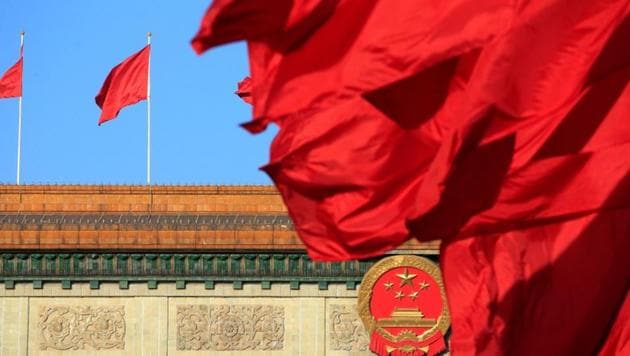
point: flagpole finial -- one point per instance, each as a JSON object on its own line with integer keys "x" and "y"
{"x": 22, "y": 33}
{"x": 148, "y": 34}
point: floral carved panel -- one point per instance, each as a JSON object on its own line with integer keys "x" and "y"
{"x": 230, "y": 327}
{"x": 82, "y": 327}
{"x": 346, "y": 329}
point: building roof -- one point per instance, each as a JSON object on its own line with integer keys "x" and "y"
{"x": 125, "y": 217}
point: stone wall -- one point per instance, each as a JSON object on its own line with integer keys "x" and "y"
{"x": 251, "y": 321}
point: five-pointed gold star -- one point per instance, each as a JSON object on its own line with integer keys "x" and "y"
{"x": 413, "y": 295}
{"x": 406, "y": 278}
{"x": 388, "y": 285}
{"x": 424, "y": 285}
{"x": 399, "y": 295}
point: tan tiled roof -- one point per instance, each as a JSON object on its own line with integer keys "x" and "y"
{"x": 142, "y": 217}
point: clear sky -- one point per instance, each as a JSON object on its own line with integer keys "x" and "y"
{"x": 71, "y": 45}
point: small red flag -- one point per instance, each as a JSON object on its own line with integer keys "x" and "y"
{"x": 125, "y": 85}
{"x": 11, "y": 81}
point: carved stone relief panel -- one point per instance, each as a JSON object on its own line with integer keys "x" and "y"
{"x": 192, "y": 327}
{"x": 230, "y": 327}
{"x": 82, "y": 327}
{"x": 346, "y": 329}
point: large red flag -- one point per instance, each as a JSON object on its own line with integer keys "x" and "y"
{"x": 554, "y": 289}
{"x": 125, "y": 85}
{"x": 11, "y": 81}
{"x": 357, "y": 172}
{"x": 474, "y": 122}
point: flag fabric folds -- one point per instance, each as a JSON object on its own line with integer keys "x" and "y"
{"x": 431, "y": 90}
{"x": 499, "y": 128}
{"x": 553, "y": 289}
{"x": 11, "y": 81}
{"x": 126, "y": 84}
{"x": 244, "y": 90}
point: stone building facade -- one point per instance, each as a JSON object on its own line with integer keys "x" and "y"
{"x": 169, "y": 270}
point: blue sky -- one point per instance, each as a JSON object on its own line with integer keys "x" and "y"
{"x": 71, "y": 45}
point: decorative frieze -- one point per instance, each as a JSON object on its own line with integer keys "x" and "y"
{"x": 82, "y": 327}
{"x": 281, "y": 222}
{"x": 236, "y": 268}
{"x": 230, "y": 327}
{"x": 346, "y": 330}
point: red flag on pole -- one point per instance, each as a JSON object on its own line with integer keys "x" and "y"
{"x": 125, "y": 85}
{"x": 11, "y": 81}
{"x": 11, "y": 87}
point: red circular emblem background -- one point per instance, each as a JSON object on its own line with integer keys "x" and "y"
{"x": 391, "y": 292}
{"x": 403, "y": 305}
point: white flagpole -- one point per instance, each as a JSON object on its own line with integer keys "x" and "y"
{"x": 19, "y": 140}
{"x": 149, "y": 115}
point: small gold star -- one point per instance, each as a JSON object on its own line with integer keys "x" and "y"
{"x": 388, "y": 285}
{"x": 424, "y": 285}
{"x": 406, "y": 278}
{"x": 413, "y": 295}
{"x": 399, "y": 295}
